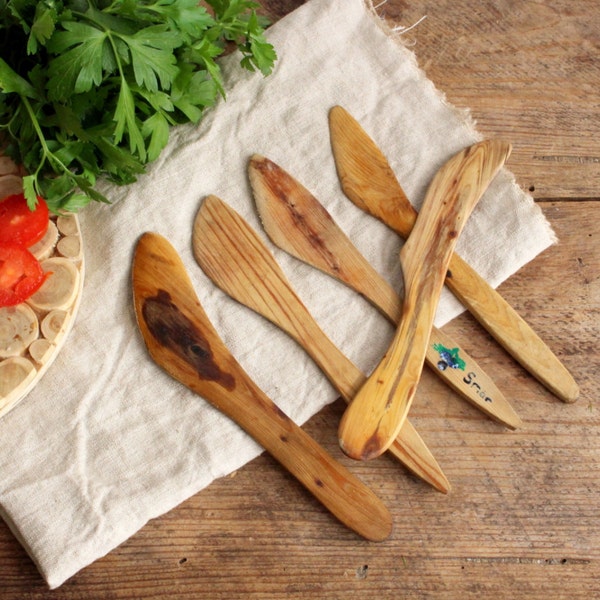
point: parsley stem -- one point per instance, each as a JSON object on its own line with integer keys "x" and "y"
{"x": 47, "y": 153}
{"x": 109, "y": 78}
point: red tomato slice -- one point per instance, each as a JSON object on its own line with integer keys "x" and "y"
{"x": 20, "y": 225}
{"x": 21, "y": 274}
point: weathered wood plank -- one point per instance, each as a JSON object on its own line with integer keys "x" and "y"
{"x": 528, "y": 71}
{"x": 522, "y": 518}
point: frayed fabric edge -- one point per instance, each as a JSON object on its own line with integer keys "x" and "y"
{"x": 395, "y": 34}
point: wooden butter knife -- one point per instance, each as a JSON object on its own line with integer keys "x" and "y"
{"x": 368, "y": 180}
{"x": 381, "y": 405}
{"x": 299, "y": 224}
{"x": 181, "y": 339}
{"x": 232, "y": 254}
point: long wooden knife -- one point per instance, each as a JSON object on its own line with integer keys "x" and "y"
{"x": 181, "y": 339}
{"x": 234, "y": 257}
{"x": 381, "y": 405}
{"x": 368, "y": 180}
{"x": 298, "y": 223}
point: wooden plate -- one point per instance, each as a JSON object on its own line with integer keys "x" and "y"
{"x": 32, "y": 333}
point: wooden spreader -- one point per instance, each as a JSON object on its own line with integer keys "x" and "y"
{"x": 368, "y": 180}
{"x": 283, "y": 203}
{"x": 181, "y": 339}
{"x": 379, "y": 409}
{"x": 231, "y": 253}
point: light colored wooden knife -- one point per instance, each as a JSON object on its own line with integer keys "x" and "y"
{"x": 298, "y": 223}
{"x": 379, "y": 409}
{"x": 368, "y": 180}
{"x": 181, "y": 339}
{"x": 234, "y": 257}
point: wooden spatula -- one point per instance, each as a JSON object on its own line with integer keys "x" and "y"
{"x": 380, "y": 407}
{"x": 230, "y": 252}
{"x": 368, "y": 180}
{"x": 181, "y": 339}
{"x": 299, "y": 224}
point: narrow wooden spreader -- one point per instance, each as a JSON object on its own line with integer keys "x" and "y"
{"x": 379, "y": 409}
{"x": 230, "y": 252}
{"x": 299, "y": 224}
{"x": 181, "y": 339}
{"x": 369, "y": 181}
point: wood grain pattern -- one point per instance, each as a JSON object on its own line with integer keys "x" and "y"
{"x": 368, "y": 180}
{"x": 380, "y": 407}
{"x": 532, "y": 72}
{"x": 181, "y": 340}
{"x": 299, "y": 224}
{"x": 231, "y": 253}
{"x": 521, "y": 521}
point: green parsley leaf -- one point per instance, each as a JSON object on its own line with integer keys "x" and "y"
{"x": 43, "y": 25}
{"x": 156, "y": 128}
{"x": 78, "y": 66}
{"x": 152, "y": 56}
{"x": 11, "y": 82}
{"x": 260, "y": 53}
{"x": 126, "y": 124}
{"x": 89, "y": 89}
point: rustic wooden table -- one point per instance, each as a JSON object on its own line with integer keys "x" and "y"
{"x": 522, "y": 518}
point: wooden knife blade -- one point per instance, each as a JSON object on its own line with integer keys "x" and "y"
{"x": 181, "y": 339}
{"x": 371, "y": 421}
{"x": 235, "y": 258}
{"x": 369, "y": 181}
{"x": 298, "y": 223}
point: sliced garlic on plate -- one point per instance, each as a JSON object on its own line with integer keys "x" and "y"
{"x": 30, "y": 342}
{"x": 16, "y": 374}
{"x": 45, "y": 247}
{"x": 9, "y": 185}
{"x": 60, "y": 288}
{"x": 52, "y": 324}
{"x": 18, "y": 328}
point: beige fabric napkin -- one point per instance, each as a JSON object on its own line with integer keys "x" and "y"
{"x": 108, "y": 441}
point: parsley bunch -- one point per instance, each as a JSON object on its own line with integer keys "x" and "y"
{"x": 91, "y": 88}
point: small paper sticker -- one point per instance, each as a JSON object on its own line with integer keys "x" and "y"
{"x": 449, "y": 358}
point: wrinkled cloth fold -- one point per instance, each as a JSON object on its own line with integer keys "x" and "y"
{"x": 107, "y": 440}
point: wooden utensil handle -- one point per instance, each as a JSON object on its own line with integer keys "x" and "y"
{"x": 450, "y": 362}
{"x": 181, "y": 339}
{"x": 408, "y": 447}
{"x": 509, "y": 329}
{"x": 368, "y": 180}
{"x": 298, "y": 223}
{"x": 230, "y": 252}
{"x": 353, "y": 503}
{"x": 370, "y": 183}
{"x": 380, "y": 408}
{"x": 378, "y": 411}
{"x": 497, "y": 316}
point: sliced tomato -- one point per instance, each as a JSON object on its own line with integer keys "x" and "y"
{"x": 21, "y": 274}
{"x": 19, "y": 224}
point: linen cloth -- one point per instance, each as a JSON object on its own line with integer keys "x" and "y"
{"x": 107, "y": 440}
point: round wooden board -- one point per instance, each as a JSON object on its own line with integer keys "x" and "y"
{"x": 33, "y": 333}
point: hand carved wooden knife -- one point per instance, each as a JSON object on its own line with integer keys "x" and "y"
{"x": 299, "y": 224}
{"x": 368, "y": 180}
{"x": 181, "y": 339}
{"x": 233, "y": 256}
{"x": 372, "y": 420}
